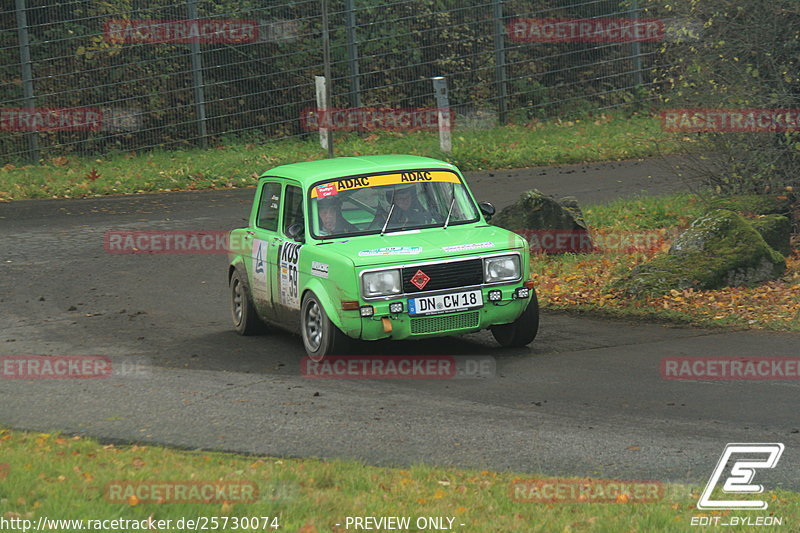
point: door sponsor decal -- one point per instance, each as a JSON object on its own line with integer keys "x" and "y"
{"x": 319, "y": 269}
{"x": 260, "y": 282}
{"x": 288, "y": 262}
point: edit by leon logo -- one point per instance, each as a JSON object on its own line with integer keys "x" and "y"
{"x": 741, "y": 476}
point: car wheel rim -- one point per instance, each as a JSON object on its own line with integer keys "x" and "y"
{"x": 313, "y": 326}
{"x": 237, "y": 302}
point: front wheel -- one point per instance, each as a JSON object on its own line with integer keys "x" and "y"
{"x": 321, "y": 337}
{"x": 523, "y": 330}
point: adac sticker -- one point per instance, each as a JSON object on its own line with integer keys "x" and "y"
{"x": 465, "y": 247}
{"x": 260, "y": 284}
{"x": 289, "y": 259}
{"x": 392, "y": 250}
{"x": 412, "y": 176}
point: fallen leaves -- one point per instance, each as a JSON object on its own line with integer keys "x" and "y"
{"x": 563, "y": 283}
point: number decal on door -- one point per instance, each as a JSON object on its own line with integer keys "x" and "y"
{"x": 289, "y": 260}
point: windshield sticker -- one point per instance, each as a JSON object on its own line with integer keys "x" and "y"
{"x": 289, "y": 259}
{"x": 348, "y": 184}
{"x": 319, "y": 269}
{"x": 465, "y": 247}
{"x": 406, "y": 232}
{"x": 329, "y": 189}
{"x": 392, "y": 250}
{"x": 260, "y": 284}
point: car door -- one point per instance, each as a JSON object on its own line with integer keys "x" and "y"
{"x": 265, "y": 231}
{"x": 285, "y": 258}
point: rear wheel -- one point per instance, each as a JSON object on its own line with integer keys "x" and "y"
{"x": 321, "y": 337}
{"x": 523, "y": 330}
{"x": 245, "y": 319}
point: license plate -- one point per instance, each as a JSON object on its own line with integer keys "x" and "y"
{"x": 445, "y": 303}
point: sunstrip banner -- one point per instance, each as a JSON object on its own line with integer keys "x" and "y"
{"x": 424, "y": 176}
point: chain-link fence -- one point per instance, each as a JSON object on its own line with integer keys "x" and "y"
{"x": 91, "y": 76}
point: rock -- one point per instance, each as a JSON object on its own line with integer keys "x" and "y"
{"x": 754, "y": 204}
{"x": 720, "y": 249}
{"x": 776, "y": 230}
{"x": 550, "y": 225}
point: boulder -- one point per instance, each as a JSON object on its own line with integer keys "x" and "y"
{"x": 549, "y": 225}
{"x": 719, "y": 249}
{"x": 753, "y": 204}
{"x": 776, "y": 230}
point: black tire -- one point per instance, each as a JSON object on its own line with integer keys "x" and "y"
{"x": 523, "y": 330}
{"x": 245, "y": 318}
{"x": 321, "y": 337}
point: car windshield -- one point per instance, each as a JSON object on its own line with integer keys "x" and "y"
{"x": 362, "y": 205}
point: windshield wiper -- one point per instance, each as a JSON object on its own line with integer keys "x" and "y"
{"x": 391, "y": 210}
{"x": 449, "y": 212}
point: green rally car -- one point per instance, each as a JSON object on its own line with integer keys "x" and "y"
{"x": 379, "y": 247}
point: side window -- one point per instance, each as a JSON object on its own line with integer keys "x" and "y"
{"x": 292, "y": 207}
{"x": 268, "y": 209}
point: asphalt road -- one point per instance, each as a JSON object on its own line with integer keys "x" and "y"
{"x": 586, "y": 398}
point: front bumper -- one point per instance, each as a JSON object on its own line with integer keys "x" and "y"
{"x": 404, "y": 326}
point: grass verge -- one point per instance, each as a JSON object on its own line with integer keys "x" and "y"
{"x": 600, "y": 138}
{"x": 577, "y": 282}
{"x": 62, "y": 477}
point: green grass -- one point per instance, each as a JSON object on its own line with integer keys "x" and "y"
{"x": 62, "y": 477}
{"x": 237, "y": 165}
{"x": 646, "y": 212}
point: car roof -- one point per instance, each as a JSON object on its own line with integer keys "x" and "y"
{"x": 310, "y": 172}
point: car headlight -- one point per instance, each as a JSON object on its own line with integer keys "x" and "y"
{"x": 502, "y": 268}
{"x": 382, "y": 283}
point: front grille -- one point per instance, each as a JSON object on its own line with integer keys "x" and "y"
{"x": 437, "y": 324}
{"x": 445, "y": 275}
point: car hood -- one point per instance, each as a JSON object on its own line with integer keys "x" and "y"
{"x": 424, "y": 245}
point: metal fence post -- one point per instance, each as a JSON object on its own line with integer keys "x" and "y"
{"x": 326, "y": 52}
{"x": 443, "y": 105}
{"x": 500, "y": 61}
{"x": 636, "y": 48}
{"x": 27, "y": 74}
{"x": 352, "y": 54}
{"x": 197, "y": 80}
{"x": 323, "y": 118}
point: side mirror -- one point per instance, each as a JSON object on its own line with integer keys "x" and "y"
{"x": 487, "y": 209}
{"x": 295, "y": 232}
